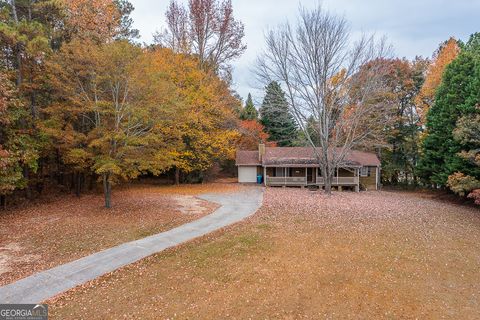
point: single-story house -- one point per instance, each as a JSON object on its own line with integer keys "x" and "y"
{"x": 297, "y": 166}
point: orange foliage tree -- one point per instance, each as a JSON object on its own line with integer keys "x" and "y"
{"x": 92, "y": 19}
{"x": 447, "y": 52}
{"x": 252, "y": 133}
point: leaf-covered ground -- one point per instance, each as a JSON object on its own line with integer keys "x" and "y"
{"x": 41, "y": 236}
{"x": 306, "y": 256}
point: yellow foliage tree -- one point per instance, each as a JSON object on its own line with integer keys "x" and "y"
{"x": 102, "y": 120}
{"x": 205, "y": 106}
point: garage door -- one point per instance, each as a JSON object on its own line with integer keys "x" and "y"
{"x": 247, "y": 174}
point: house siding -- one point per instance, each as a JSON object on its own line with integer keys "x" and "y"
{"x": 370, "y": 183}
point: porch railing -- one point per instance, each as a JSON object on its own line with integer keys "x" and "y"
{"x": 339, "y": 181}
{"x": 286, "y": 181}
{"x": 302, "y": 181}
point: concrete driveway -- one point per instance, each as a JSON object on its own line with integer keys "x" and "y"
{"x": 234, "y": 207}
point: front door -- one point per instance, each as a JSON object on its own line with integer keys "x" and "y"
{"x": 310, "y": 175}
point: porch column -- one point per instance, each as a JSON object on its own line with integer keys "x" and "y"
{"x": 265, "y": 176}
{"x": 306, "y": 176}
{"x": 357, "y": 187}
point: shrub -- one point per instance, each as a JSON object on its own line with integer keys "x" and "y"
{"x": 462, "y": 184}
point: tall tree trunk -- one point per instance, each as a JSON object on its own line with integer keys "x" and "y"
{"x": 177, "y": 176}
{"x": 327, "y": 180}
{"x": 107, "y": 190}
{"x": 328, "y": 186}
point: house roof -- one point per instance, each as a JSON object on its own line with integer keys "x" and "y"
{"x": 247, "y": 158}
{"x": 291, "y": 156}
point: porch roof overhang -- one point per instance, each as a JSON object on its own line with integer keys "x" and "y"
{"x": 292, "y": 166}
{"x": 301, "y": 163}
{"x": 307, "y": 166}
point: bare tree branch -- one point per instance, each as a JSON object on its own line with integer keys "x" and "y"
{"x": 319, "y": 67}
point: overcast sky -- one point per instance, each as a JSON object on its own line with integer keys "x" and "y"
{"x": 413, "y": 27}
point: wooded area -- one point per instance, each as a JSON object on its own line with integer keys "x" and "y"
{"x": 82, "y": 102}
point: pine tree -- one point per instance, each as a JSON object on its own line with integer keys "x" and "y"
{"x": 249, "y": 112}
{"x": 456, "y": 97}
{"x": 276, "y": 117}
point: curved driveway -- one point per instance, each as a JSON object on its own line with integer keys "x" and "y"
{"x": 44, "y": 285}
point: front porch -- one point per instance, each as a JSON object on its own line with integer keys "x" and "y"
{"x": 310, "y": 176}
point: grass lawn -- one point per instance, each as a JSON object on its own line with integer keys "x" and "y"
{"x": 38, "y": 237}
{"x": 303, "y": 255}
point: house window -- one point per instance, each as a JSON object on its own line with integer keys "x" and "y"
{"x": 365, "y": 172}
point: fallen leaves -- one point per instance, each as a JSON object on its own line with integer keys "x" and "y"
{"x": 68, "y": 228}
{"x": 306, "y": 255}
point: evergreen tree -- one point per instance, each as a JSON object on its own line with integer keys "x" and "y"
{"x": 456, "y": 97}
{"x": 276, "y": 118}
{"x": 126, "y": 30}
{"x": 249, "y": 112}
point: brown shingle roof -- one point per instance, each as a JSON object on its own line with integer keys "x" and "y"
{"x": 364, "y": 158}
{"x": 247, "y": 158}
{"x": 289, "y": 156}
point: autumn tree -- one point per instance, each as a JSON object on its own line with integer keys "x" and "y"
{"x": 29, "y": 31}
{"x": 18, "y": 148}
{"x": 401, "y": 129}
{"x": 467, "y": 133}
{"x": 205, "y": 109}
{"x": 98, "y": 119}
{"x": 447, "y": 52}
{"x": 276, "y": 117}
{"x": 206, "y": 29}
{"x": 252, "y": 133}
{"x": 317, "y": 64}
{"x": 96, "y": 20}
{"x": 249, "y": 112}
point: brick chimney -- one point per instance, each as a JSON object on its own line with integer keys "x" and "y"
{"x": 261, "y": 151}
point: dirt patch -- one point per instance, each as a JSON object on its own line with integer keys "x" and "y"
{"x": 35, "y": 238}
{"x": 304, "y": 255}
{"x": 11, "y": 254}
{"x": 191, "y": 205}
